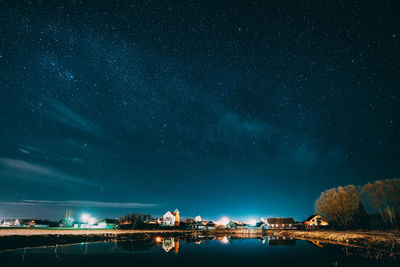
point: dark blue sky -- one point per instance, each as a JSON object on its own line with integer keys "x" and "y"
{"x": 236, "y": 108}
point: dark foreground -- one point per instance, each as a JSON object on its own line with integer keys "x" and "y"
{"x": 196, "y": 251}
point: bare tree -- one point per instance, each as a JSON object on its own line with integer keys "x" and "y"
{"x": 383, "y": 197}
{"x": 339, "y": 205}
{"x": 136, "y": 220}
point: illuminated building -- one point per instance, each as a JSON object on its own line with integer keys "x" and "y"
{"x": 315, "y": 221}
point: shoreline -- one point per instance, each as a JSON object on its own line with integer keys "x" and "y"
{"x": 379, "y": 240}
{"x": 83, "y": 232}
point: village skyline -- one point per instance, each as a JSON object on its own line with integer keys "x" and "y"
{"x": 168, "y": 220}
{"x": 53, "y": 209}
{"x": 79, "y": 211}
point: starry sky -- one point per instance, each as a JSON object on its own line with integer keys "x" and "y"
{"x": 217, "y": 108}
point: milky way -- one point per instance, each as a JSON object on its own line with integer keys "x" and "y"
{"x": 237, "y": 108}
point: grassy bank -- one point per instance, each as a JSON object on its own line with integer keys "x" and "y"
{"x": 61, "y": 232}
{"x": 389, "y": 241}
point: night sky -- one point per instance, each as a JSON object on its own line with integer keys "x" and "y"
{"x": 217, "y": 108}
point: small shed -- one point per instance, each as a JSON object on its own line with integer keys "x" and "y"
{"x": 315, "y": 221}
{"x": 211, "y": 225}
{"x": 108, "y": 224}
{"x": 281, "y": 223}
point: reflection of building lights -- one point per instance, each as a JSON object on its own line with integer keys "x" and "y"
{"x": 158, "y": 239}
{"x": 225, "y": 240}
{"x": 176, "y": 248}
{"x": 168, "y": 243}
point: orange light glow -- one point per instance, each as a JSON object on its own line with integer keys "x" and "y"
{"x": 225, "y": 240}
{"x": 158, "y": 239}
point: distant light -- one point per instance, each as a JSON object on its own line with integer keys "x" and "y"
{"x": 252, "y": 222}
{"x": 225, "y": 240}
{"x": 92, "y": 220}
{"x": 85, "y": 217}
{"x": 223, "y": 221}
{"x": 158, "y": 239}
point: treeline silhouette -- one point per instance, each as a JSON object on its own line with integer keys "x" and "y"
{"x": 134, "y": 221}
{"x": 371, "y": 206}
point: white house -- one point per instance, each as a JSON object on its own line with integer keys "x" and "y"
{"x": 10, "y": 222}
{"x": 171, "y": 218}
{"x": 168, "y": 219}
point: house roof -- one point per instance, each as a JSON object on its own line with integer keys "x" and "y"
{"x": 312, "y": 216}
{"x": 168, "y": 213}
{"x": 280, "y": 220}
{"x": 9, "y": 220}
{"x": 26, "y": 221}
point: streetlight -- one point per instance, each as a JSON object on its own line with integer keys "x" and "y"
{"x": 85, "y": 217}
{"x": 223, "y": 221}
{"x": 91, "y": 220}
{"x": 252, "y": 222}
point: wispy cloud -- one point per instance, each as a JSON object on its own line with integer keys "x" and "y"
{"x": 24, "y": 151}
{"x": 82, "y": 203}
{"x": 36, "y": 172}
{"x": 239, "y": 125}
{"x": 65, "y": 115}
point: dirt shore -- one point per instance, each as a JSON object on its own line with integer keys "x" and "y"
{"x": 388, "y": 241}
{"x": 58, "y": 232}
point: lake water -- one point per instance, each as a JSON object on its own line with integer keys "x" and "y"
{"x": 210, "y": 251}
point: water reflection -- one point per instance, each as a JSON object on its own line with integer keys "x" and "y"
{"x": 136, "y": 245}
{"x": 317, "y": 243}
{"x": 280, "y": 241}
{"x": 171, "y": 244}
{"x": 222, "y": 248}
{"x": 224, "y": 240}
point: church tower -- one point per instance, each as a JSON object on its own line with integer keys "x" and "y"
{"x": 177, "y": 218}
